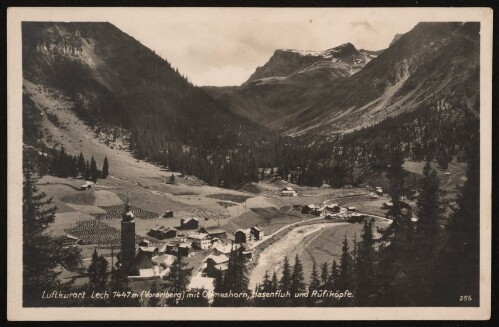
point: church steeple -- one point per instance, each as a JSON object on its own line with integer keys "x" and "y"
{"x": 127, "y": 238}
{"x": 127, "y": 214}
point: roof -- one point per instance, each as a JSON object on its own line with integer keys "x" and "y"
{"x": 148, "y": 248}
{"x": 200, "y": 282}
{"x": 330, "y": 206}
{"x": 245, "y": 246}
{"x": 288, "y": 189}
{"x": 163, "y": 229}
{"x": 213, "y": 230}
{"x": 72, "y": 237}
{"x": 226, "y": 248}
{"x": 218, "y": 258}
{"x": 256, "y": 228}
{"x": 166, "y": 259}
{"x": 245, "y": 231}
{"x": 190, "y": 219}
{"x": 185, "y": 244}
{"x": 350, "y": 208}
{"x": 311, "y": 206}
{"x": 148, "y": 272}
{"x": 198, "y": 236}
{"x": 143, "y": 260}
{"x": 320, "y": 208}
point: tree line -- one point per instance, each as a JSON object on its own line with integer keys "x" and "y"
{"x": 61, "y": 164}
{"x": 438, "y": 130}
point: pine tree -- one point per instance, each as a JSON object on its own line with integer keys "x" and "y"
{"x": 324, "y": 273}
{"x": 429, "y": 206}
{"x": 285, "y": 281}
{"x": 274, "y": 283}
{"x": 41, "y": 253}
{"x": 94, "y": 173}
{"x": 219, "y": 288}
{"x": 345, "y": 278}
{"x": 172, "y": 179}
{"x": 365, "y": 266}
{"x": 265, "y": 287}
{"x": 98, "y": 272}
{"x": 334, "y": 276}
{"x": 397, "y": 239}
{"x": 178, "y": 277}
{"x": 314, "y": 285}
{"x": 297, "y": 282}
{"x": 88, "y": 174}
{"x": 81, "y": 164}
{"x": 105, "y": 169}
{"x": 427, "y": 242}
{"x": 458, "y": 277}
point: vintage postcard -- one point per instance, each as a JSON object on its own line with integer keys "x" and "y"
{"x": 302, "y": 164}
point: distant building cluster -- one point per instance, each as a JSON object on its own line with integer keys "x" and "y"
{"x": 148, "y": 261}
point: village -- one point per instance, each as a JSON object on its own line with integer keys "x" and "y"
{"x": 149, "y": 256}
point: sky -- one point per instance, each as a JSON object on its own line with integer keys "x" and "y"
{"x": 225, "y": 48}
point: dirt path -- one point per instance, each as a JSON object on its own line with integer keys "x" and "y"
{"x": 293, "y": 242}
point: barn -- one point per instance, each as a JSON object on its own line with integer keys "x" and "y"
{"x": 161, "y": 232}
{"x": 190, "y": 223}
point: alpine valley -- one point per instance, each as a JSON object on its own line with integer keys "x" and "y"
{"x": 220, "y": 188}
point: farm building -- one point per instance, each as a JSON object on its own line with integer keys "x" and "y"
{"x": 191, "y": 223}
{"x": 142, "y": 265}
{"x": 86, "y": 186}
{"x": 334, "y": 207}
{"x": 216, "y": 264}
{"x": 200, "y": 240}
{"x": 161, "y": 232}
{"x": 356, "y": 218}
{"x": 70, "y": 240}
{"x": 243, "y": 236}
{"x": 246, "y": 251}
{"x": 319, "y": 211}
{"x": 308, "y": 208}
{"x": 372, "y": 196}
{"x": 168, "y": 214}
{"x": 183, "y": 248}
{"x": 257, "y": 233}
{"x": 165, "y": 260}
{"x": 379, "y": 191}
{"x": 352, "y": 209}
{"x": 214, "y": 232}
{"x": 144, "y": 246}
{"x": 225, "y": 249}
{"x": 288, "y": 191}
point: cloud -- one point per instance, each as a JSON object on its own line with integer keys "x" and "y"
{"x": 227, "y": 47}
{"x": 365, "y": 25}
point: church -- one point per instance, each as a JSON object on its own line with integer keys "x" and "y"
{"x": 137, "y": 261}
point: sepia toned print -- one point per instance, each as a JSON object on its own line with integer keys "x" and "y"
{"x": 324, "y": 165}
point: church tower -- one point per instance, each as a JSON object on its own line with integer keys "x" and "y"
{"x": 127, "y": 239}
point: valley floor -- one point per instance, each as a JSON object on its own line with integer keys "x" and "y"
{"x": 146, "y": 186}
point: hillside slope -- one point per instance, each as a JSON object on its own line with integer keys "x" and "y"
{"x": 432, "y": 62}
{"x": 278, "y": 92}
{"x": 111, "y": 78}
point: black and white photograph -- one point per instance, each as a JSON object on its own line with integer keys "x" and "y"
{"x": 204, "y": 158}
